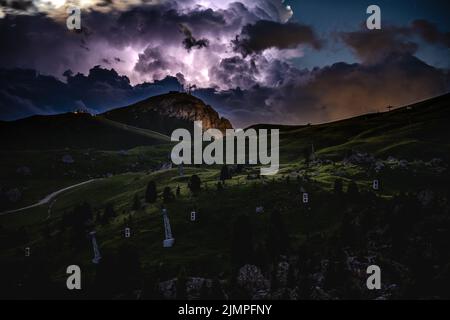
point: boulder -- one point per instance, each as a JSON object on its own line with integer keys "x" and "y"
{"x": 253, "y": 281}
{"x": 67, "y": 159}
{"x": 14, "y": 195}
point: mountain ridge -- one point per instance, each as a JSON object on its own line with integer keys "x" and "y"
{"x": 148, "y": 122}
{"x": 167, "y": 112}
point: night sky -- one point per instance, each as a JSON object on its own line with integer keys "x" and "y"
{"x": 255, "y": 61}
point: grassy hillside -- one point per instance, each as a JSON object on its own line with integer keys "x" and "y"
{"x": 74, "y": 131}
{"x": 36, "y": 174}
{"x": 325, "y": 244}
{"x": 400, "y": 133}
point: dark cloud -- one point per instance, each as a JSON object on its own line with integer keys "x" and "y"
{"x": 264, "y": 34}
{"x": 235, "y": 70}
{"x": 26, "y": 92}
{"x": 145, "y": 42}
{"x": 335, "y": 92}
{"x": 18, "y": 5}
{"x": 154, "y": 62}
{"x": 157, "y": 23}
{"x": 278, "y": 72}
{"x": 180, "y": 78}
{"x": 326, "y": 94}
{"x": 39, "y": 42}
{"x": 43, "y": 43}
{"x": 375, "y": 45}
{"x": 430, "y": 33}
{"x": 344, "y": 90}
{"x": 190, "y": 42}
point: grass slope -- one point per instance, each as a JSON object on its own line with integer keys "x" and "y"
{"x": 401, "y": 132}
{"x": 74, "y": 131}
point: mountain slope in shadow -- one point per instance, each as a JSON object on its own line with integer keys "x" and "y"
{"x": 416, "y": 131}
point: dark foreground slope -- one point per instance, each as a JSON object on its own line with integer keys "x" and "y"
{"x": 74, "y": 131}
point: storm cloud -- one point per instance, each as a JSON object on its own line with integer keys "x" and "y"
{"x": 242, "y": 57}
{"x": 331, "y": 93}
{"x": 374, "y": 45}
{"x": 264, "y": 34}
{"x": 190, "y": 42}
{"x": 430, "y": 33}
{"x": 26, "y": 92}
{"x": 126, "y": 31}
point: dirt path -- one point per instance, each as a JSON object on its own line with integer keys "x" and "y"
{"x": 48, "y": 198}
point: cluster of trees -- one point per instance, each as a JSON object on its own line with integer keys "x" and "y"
{"x": 168, "y": 195}
{"x": 81, "y": 218}
{"x": 243, "y": 246}
{"x": 13, "y": 237}
{"x": 108, "y": 214}
{"x": 78, "y": 222}
{"x": 225, "y": 173}
{"x": 119, "y": 273}
{"x": 194, "y": 185}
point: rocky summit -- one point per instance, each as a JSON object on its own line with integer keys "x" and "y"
{"x": 170, "y": 111}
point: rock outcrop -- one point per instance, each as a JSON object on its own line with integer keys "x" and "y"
{"x": 170, "y": 111}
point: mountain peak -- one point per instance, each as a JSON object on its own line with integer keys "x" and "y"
{"x": 167, "y": 112}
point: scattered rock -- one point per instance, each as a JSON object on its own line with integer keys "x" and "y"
{"x": 25, "y": 171}
{"x": 379, "y": 165}
{"x": 165, "y": 166}
{"x": 360, "y": 158}
{"x": 282, "y": 273}
{"x": 252, "y": 280}
{"x": 391, "y": 159}
{"x": 425, "y": 197}
{"x": 168, "y": 289}
{"x": 67, "y": 159}
{"x": 403, "y": 164}
{"x": 14, "y": 195}
{"x": 195, "y": 287}
{"x": 319, "y": 294}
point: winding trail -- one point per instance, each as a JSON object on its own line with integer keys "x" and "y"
{"x": 48, "y": 198}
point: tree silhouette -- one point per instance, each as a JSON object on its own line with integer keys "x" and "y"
{"x": 278, "y": 241}
{"x": 168, "y": 195}
{"x": 352, "y": 189}
{"x": 108, "y": 214}
{"x": 119, "y": 273}
{"x": 77, "y": 220}
{"x": 225, "y": 173}
{"x": 307, "y": 155}
{"x": 136, "y": 203}
{"x": 195, "y": 184}
{"x": 338, "y": 186}
{"x": 181, "y": 291}
{"x": 216, "y": 290}
{"x": 242, "y": 242}
{"x": 151, "y": 195}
